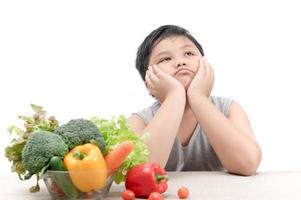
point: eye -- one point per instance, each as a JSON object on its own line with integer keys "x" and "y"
{"x": 189, "y": 53}
{"x": 164, "y": 59}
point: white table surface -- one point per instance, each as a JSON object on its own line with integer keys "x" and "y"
{"x": 202, "y": 186}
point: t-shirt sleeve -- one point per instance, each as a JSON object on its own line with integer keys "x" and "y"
{"x": 148, "y": 113}
{"x": 145, "y": 114}
{"x": 222, "y": 103}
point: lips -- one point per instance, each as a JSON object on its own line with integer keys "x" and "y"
{"x": 184, "y": 70}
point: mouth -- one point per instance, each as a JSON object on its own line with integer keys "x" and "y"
{"x": 184, "y": 71}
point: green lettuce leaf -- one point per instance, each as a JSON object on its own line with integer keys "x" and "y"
{"x": 117, "y": 131}
{"x": 35, "y": 122}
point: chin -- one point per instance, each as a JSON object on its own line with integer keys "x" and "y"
{"x": 185, "y": 84}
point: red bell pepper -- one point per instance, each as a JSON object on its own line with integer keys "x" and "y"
{"x": 146, "y": 178}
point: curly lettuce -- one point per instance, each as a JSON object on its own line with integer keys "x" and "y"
{"x": 36, "y": 122}
{"x": 117, "y": 131}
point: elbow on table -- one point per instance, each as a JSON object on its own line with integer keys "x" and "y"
{"x": 248, "y": 166}
{"x": 247, "y": 170}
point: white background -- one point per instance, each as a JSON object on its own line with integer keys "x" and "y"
{"x": 76, "y": 58}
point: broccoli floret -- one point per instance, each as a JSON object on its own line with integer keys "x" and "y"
{"x": 40, "y": 148}
{"x": 80, "y": 131}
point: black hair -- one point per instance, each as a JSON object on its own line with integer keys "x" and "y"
{"x": 154, "y": 38}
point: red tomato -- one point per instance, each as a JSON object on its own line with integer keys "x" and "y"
{"x": 55, "y": 188}
{"x": 183, "y": 193}
{"x": 155, "y": 196}
{"x": 128, "y": 195}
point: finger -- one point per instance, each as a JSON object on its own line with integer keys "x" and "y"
{"x": 147, "y": 86}
{"x": 204, "y": 63}
{"x": 154, "y": 69}
{"x": 148, "y": 80}
{"x": 208, "y": 69}
{"x": 150, "y": 68}
{"x": 202, "y": 66}
{"x": 204, "y": 58}
{"x": 153, "y": 77}
{"x": 211, "y": 71}
{"x": 212, "y": 75}
{"x": 159, "y": 73}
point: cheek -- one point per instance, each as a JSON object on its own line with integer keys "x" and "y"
{"x": 195, "y": 64}
{"x": 166, "y": 68}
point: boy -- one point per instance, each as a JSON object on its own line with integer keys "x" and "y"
{"x": 189, "y": 129}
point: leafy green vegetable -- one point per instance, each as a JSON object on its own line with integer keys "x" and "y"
{"x": 115, "y": 132}
{"x": 13, "y": 154}
{"x": 36, "y": 122}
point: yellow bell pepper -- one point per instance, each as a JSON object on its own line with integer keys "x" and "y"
{"x": 87, "y": 167}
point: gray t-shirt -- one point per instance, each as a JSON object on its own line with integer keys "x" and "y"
{"x": 197, "y": 155}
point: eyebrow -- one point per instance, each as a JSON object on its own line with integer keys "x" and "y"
{"x": 161, "y": 53}
{"x": 166, "y": 52}
{"x": 187, "y": 45}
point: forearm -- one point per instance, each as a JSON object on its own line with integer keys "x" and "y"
{"x": 237, "y": 151}
{"x": 163, "y": 128}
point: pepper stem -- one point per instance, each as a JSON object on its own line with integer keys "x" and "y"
{"x": 161, "y": 177}
{"x": 79, "y": 155}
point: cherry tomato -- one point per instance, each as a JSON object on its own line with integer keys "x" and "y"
{"x": 183, "y": 193}
{"x": 55, "y": 188}
{"x": 128, "y": 195}
{"x": 155, "y": 196}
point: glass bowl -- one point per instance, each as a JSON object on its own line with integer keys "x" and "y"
{"x": 77, "y": 184}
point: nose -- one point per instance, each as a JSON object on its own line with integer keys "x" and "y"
{"x": 181, "y": 63}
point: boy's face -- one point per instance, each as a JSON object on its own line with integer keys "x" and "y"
{"x": 177, "y": 56}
